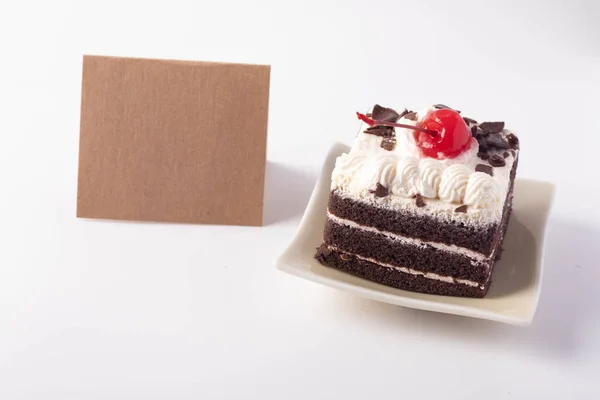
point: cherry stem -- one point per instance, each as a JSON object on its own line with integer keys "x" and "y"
{"x": 371, "y": 122}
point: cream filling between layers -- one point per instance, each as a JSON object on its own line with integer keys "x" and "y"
{"x": 428, "y": 275}
{"x": 477, "y": 258}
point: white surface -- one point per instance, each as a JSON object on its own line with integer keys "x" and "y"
{"x": 96, "y": 310}
{"x": 516, "y": 282}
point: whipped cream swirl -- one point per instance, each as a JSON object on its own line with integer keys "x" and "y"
{"x": 385, "y": 172}
{"x": 407, "y": 176}
{"x": 430, "y": 176}
{"x": 482, "y": 191}
{"x": 454, "y": 183}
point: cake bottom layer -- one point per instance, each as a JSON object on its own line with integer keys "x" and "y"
{"x": 397, "y": 278}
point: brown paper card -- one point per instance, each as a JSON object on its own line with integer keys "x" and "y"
{"x": 172, "y": 141}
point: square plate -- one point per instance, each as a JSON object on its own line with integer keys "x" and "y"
{"x": 516, "y": 281}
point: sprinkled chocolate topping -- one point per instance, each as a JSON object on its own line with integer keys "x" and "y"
{"x": 380, "y": 190}
{"x": 486, "y": 169}
{"x": 482, "y": 143}
{"x": 469, "y": 121}
{"x": 388, "y": 143}
{"x": 410, "y": 115}
{"x": 514, "y": 153}
{"x": 443, "y": 106}
{"x": 483, "y": 156}
{"x": 492, "y": 127}
{"x": 461, "y": 209}
{"x": 495, "y": 141}
{"x": 419, "y": 200}
{"x": 506, "y": 154}
{"x": 403, "y": 113}
{"x": 473, "y": 131}
{"x": 513, "y": 141}
{"x": 384, "y": 114}
{"x": 497, "y": 161}
{"x": 381, "y": 130}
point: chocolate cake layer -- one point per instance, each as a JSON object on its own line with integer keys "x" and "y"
{"x": 481, "y": 239}
{"x": 379, "y": 247}
{"x": 411, "y": 225}
{"x": 499, "y": 239}
{"x": 395, "y": 278}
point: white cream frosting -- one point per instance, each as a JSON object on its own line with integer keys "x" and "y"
{"x": 454, "y": 183}
{"x": 406, "y": 177}
{"x": 445, "y": 183}
{"x": 482, "y": 191}
{"x": 430, "y": 176}
{"x": 385, "y": 172}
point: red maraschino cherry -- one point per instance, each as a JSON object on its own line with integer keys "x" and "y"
{"x": 453, "y": 135}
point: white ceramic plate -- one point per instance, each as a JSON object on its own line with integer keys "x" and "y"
{"x": 517, "y": 278}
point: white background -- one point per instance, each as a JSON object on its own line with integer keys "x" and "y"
{"x": 94, "y": 310}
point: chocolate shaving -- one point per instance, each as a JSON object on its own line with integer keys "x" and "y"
{"x": 514, "y": 153}
{"x": 482, "y": 143}
{"x": 513, "y": 141}
{"x": 497, "y": 161}
{"x": 469, "y": 121}
{"x": 345, "y": 257}
{"x": 381, "y": 130}
{"x": 486, "y": 169}
{"x": 492, "y": 127}
{"x": 506, "y": 154}
{"x": 403, "y": 113}
{"x": 495, "y": 141}
{"x": 474, "y": 131}
{"x": 461, "y": 209}
{"x": 385, "y": 114}
{"x": 380, "y": 190}
{"x": 483, "y": 156}
{"x": 410, "y": 115}
{"x": 419, "y": 200}
{"x": 388, "y": 144}
{"x": 443, "y": 106}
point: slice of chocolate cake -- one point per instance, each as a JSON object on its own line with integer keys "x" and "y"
{"x": 422, "y": 200}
